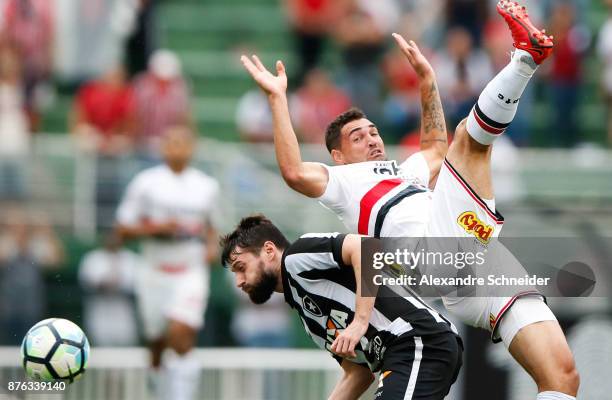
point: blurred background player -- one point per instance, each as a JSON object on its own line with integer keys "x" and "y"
{"x": 171, "y": 207}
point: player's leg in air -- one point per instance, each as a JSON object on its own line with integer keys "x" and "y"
{"x": 528, "y": 328}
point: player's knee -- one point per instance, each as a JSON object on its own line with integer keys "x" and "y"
{"x": 573, "y": 381}
{"x": 181, "y": 344}
{"x": 564, "y": 376}
{"x": 181, "y": 338}
{"x": 568, "y": 376}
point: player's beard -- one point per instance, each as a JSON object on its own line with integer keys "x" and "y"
{"x": 262, "y": 290}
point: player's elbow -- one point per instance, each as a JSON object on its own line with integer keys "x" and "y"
{"x": 438, "y": 149}
{"x": 434, "y": 156}
{"x": 291, "y": 177}
{"x": 294, "y": 177}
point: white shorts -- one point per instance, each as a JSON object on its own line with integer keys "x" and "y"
{"x": 473, "y": 218}
{"x": 171, "y": 295}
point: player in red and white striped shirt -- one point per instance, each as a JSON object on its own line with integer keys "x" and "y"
{"x": 379, "y": 197}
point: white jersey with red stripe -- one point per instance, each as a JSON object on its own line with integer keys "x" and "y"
{"x": 159, "y": 195}
{"x": 384, "y": 199}
{"x": 381, "y": 198}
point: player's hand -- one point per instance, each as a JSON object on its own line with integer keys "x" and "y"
{"x": 418, "y": 61}
{"x": 345, "y": 342}
{"x": 269, "y": 83}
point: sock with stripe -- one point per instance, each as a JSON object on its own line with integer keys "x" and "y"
{"x": 499, "y": 100}
{"x": 554, "y": 396}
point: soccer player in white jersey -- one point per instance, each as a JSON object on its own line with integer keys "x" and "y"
{"x": 171, "y": 207}
{"x": 378, "y": 197}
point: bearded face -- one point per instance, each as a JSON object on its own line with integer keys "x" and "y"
{"x": 261, "y": 289}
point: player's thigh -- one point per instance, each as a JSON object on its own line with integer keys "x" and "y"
{"x": 462, "y": 222}
{"x": 459, "y": 212}
{"x": 459, "y": 222}
{"x": 189, "y": 298}
{"x": 541, "y": 348}
{"x": 422, "y": 368}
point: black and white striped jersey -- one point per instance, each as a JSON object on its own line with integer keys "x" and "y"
{"x": 321, "y": 288}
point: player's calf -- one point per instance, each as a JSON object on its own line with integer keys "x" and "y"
{"x": 498, "y": 103}
{"x": 156, "y": 348}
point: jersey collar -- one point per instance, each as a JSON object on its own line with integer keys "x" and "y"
{"x": 285, "y": 280}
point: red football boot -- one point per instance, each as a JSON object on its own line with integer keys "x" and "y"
{"x": 526, "y": 36}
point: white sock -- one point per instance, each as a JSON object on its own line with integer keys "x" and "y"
{"x": 155, "y": 383}
{"x": 183, "y": 373}
{"x": 498, "y": 101}
{"x": 554, "y": 396}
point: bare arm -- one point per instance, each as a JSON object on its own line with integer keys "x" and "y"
{"x": 212, "y": 244}
{"x": 345, "y": 342}
{"x": 434, "y": 138}
{"x": 354, "y": 382}
{"x": 146, "y": 229}
{"x": 309, "y": 179}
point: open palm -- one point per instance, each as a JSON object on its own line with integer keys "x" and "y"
{"x": 269, "y": 83}
{"x": 415, "y": 57}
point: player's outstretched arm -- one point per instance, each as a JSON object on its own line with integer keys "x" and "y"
{"x": 345, "y": 342}
{"x": 354, "y": 382}
{"x": 309, "y": 179}
{"x": 434, "y": 139}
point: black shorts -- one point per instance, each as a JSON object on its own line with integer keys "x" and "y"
{"x": 420, "y": 367}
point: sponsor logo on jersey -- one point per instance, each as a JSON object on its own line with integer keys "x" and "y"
{"x": 381, "y": 377}
{"x": 377, "y": 349}
{"x": 311, "y": 307}
{"x": 336, "y": 322}
{"x": 473, "y": 225}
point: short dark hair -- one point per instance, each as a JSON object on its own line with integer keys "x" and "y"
{"x": 251, "y": 234}
{"x": 332, "y": 133}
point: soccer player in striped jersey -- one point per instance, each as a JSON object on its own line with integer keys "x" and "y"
{"x": 383, "y": 198}
{"x": 416, "y": 349}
